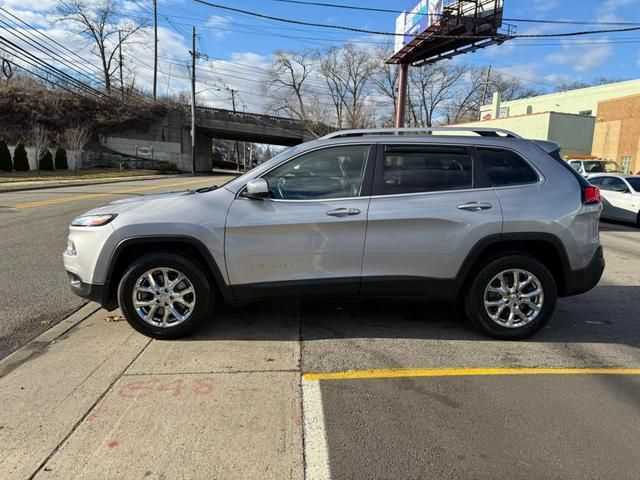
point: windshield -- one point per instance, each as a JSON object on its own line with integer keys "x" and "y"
{"x": 634, "y": 182}
{"x": 597, "y": 166}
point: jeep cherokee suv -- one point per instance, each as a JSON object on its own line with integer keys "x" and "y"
{"x": 498, "y": 223}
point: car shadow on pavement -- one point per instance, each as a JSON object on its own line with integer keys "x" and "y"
{"x": 615, "y": 226}
{"x": 607, "y": 314}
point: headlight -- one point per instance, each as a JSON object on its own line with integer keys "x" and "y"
{"x": 93, "y": 220}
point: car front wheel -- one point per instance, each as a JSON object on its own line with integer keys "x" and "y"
{"x": 165, "y": 296}
{"x": 511, "y": 297}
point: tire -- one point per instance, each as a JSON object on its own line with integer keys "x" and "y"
{"x": 526, "y": 320}
{"x": 187, "y": 309}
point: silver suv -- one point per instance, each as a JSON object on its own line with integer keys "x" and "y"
{"x": 497, "y": 223}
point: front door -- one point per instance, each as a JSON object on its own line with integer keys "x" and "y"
{"x": 308, "y": 239}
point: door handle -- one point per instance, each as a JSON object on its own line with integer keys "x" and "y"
{"x": 343, "y": 212}
{"x": 475, "y": 206}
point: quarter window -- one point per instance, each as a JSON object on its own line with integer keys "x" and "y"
{"x": 335, "y": 172}
{"x": 506, "y": 168}
{"x": 415, "y": 169}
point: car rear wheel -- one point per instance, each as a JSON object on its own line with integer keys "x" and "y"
{"x": 511, "y": 297}
{"x": 165, "y": 296}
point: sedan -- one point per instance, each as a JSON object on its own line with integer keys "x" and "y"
{"x": 620, "y": 196}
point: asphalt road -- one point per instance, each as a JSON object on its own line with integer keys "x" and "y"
{"x": 418, "y": 425}
{"x": 471, "y": 426}
{"x": 32, "y": 238}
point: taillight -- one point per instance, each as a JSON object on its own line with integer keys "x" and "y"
{"x": 590, "y": 195}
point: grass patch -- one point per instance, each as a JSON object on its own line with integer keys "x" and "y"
{"x": 35, "y": 176}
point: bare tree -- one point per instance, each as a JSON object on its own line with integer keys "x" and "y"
{"x": 433, "y": 87}
{"x": 98, "y": 21}
{"x": 331, "y": 70}
{"x": 287, "y": 81}
{"x": 348, "y": 72}
{"x": 38, "y": 138}
{"x": 385, "y": 80}
{"x": 75, "y": 139}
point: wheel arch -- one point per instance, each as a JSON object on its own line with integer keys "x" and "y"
{"x": 192, "y": 248}
{"x": 546, "y": 248}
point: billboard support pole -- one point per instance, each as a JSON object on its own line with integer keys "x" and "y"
{"x": 402, "y": 94}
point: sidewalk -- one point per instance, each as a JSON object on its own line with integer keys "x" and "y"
{"x": 94, "y": 399}
{"x": 44, "y": 184}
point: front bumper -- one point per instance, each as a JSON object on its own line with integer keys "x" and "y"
{"x": 583, "y": 280}
{"x": 94, "y": 293}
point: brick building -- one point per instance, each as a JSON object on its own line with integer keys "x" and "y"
{"x": 617, "y": 132}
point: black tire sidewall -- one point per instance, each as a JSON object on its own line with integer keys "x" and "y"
{"x": 474, "y": 298}
{"x": 204, "y": 294}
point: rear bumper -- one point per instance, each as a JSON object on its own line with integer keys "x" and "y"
{"x": 583, "y": 280}
{"x": 91, "y": 292}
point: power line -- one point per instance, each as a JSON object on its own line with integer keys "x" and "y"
{"x": 390, "y": 10}
{"x": 393, "y": 34}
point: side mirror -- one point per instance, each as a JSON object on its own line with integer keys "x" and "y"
{"x": 257, "y": 189}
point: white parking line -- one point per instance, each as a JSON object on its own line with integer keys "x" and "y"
{"x": 315, "y": 437}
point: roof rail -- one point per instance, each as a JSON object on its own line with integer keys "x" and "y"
{"x": 481, "y": 131}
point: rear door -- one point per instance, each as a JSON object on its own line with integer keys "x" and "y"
{"x": 308, "y": 239}
{"x": 430, "y": 206}
{"x": 618, "y": 200}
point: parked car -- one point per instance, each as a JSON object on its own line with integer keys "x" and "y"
{"x": 499, "y": 224}
{"x": 587, "y": 168}
{"x": 620, "y": 196}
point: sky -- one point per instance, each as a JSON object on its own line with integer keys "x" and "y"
{"x": 237, "y": 48}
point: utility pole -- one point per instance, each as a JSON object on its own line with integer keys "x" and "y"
{"x": 155, "y": 48}
{"x": 194, "y": 56}
{"x": 120, "y": 51}
{"x": 486, "y": 86}
{"x": 233, "y": 102}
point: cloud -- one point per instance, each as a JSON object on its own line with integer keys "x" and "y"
{"x": 218, "y": 21}
{"x": 542, "y": 6}
{"x": 608, "y": 10}
{"x": 33, "y": 5}
{"x": 582, "y": 58}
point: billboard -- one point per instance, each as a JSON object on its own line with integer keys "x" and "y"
{"x": 416, "y": 20}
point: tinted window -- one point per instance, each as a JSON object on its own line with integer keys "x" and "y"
{"x": 596, "y": 181}
{"x": 635, "y": 183}
{"x": 613, "y": 184}
{"x": 329, "y": 173}
{"x": 506, "y": 168}
{"x": 416, "y": 169}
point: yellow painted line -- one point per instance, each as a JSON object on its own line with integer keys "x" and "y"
{"x": 73, "y": 198}
{"x": 464, "y": 372}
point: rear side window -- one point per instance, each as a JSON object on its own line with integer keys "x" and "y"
{"x": 506, "y": 168}
{"x": 415, "y": 169}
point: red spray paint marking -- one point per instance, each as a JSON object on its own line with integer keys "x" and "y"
{"x": 113, "y": 444}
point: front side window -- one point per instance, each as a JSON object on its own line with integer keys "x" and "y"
{"x": 335, "y": 172}
{"x": 506, "y": 168}
{"x": 415, "y": 169}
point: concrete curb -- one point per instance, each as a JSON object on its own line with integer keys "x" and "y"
{"x": 84, "y": 184}
{"x": 38, "y": 345}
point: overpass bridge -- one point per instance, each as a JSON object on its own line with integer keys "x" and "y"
{"x": 169, "y": 136}
{"x": 250, "y": 127}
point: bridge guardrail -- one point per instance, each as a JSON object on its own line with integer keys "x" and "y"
{"x": 249, "y": 118}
